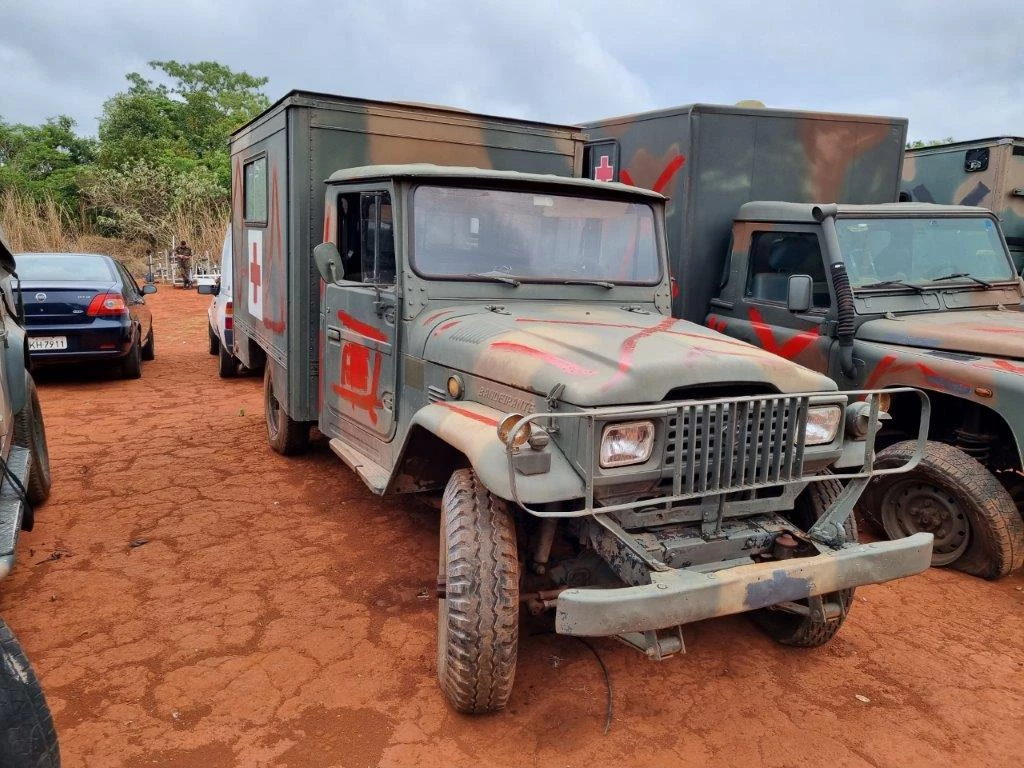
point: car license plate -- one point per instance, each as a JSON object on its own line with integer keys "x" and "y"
{"x": 45, "y": 343}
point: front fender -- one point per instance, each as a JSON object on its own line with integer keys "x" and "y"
{"x": 471, "y": 428}
{"x": 16, "y": 362}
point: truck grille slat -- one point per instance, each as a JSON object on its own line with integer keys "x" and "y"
{"x": 721, "y": 447}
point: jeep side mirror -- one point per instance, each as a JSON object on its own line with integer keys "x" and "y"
{"x": 328, "y": 262}
{"x": 148, "y": 289}
{"x": 801, "y": 293}
{"x": 205, "y": 289}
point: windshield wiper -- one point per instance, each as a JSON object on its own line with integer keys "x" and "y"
{"x": 968, "y": 275}
{"x": 598, "y": 283}
{"x": 495, "y": 278}
{"x": 890, "y": 283}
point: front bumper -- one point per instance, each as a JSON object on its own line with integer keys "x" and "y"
{"x": 678, "y": 596}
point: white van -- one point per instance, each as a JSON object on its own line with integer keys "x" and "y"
{"x": 220, "y": 313}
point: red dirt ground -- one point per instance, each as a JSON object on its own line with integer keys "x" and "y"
{"x": 280, "y": 615}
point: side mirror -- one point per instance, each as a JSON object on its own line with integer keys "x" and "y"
{"x": 328, "y": 262}
{"x": 801, "y": 293}
{"x": 148, "y": 289}
{"x": 205, "y": 289}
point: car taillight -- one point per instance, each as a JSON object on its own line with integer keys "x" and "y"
{"x": 229, "y": 321}
{"x": 107, "y": 305}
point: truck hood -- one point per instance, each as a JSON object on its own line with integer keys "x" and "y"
{"x": 979, "y": 332}
{"x": 603, "y": 356}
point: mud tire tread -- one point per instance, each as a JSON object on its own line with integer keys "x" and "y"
{"x": 996, "y": 545}
{"x": 803, "y": 631}
{"x": 39, "y": 475}
{"x": 477, "y": 664}
{"x": 28, "y": 738}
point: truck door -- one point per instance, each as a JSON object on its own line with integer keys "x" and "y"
{"x": 358, "y": 321}
{"x": 761, "y": 315}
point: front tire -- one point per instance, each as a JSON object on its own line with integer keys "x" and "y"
{"x": 30, "y": 433}
{"x": 796, "y": 629}
{"x": 285, "y": 435}
{"x": 214, "y": 341}
{"x": 478, "y": 615}
{"x": 27, "y": 736}
{"x": 149, "y": 348}
{"x": 977, "y": 526}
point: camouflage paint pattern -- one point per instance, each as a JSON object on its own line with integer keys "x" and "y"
{"x": 709, "y": 160}
{"x": 941, "y": 174}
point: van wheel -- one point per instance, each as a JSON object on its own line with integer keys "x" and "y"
{"x": 790, "y": 628}
{"x": 30, "y": 432}
{"x": 214, "y": 341}
{"x": 131, "y": 366}
{"x": 977, "y": 526}
{"x": 227, "y": 366}
{"x": 478, "y": 597}
{"x": 27, "y": 738}
{"x": 149, "y": 348}
{"x": 286, "y": 436}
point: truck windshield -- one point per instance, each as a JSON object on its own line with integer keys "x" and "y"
{"x": 486, "y": 234}
{"x": 922, "y": 250}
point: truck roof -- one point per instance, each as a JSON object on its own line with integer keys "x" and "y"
{"x": 991, "y": 140}
{"x": 743, "y": 110}
{"x": 427, "y": 170}
{"x": 760, "y": 210}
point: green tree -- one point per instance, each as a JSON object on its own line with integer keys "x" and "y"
{"x": 181, "y": 125}
{"x": 45, "y": 161}
{"x": 918, "y": 143}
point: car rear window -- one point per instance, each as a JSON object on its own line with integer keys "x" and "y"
{"x": 33, "y": 267}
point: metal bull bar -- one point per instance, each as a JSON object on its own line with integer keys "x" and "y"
{"x": 759, "y": 444}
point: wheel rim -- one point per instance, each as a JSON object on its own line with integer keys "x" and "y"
{"x": 273, "y": 410}
{"x": 913, "y": 506}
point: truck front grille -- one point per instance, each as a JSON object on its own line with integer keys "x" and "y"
{"x": 721, "y": 447}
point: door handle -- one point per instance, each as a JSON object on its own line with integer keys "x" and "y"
{"x": 333, "y": 334}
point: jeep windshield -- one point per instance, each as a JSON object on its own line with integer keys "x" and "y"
{"x": 921, "y": 252}
{"x": 469, "y": 233}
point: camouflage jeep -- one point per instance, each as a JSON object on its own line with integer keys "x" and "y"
{"x": 506, "y": 339}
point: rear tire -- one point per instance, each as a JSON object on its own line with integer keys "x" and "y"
{"x": 214, "y": 341}
{"x": 793, "y": 628}
{"x": 131, "y": 366}
{"x": 149, "y": 348}
{"x": 30, "y": 433}
{"x": 478, "y": 617}
{"x": 27, "y": 738}
{"x": 285, "y": 435}
{"x": 977, "y": 526}
{"x": 227, "y": 365}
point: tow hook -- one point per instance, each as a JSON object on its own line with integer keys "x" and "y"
{"x": 784, "y": 546}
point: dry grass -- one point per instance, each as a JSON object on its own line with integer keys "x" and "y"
{"x": 31, "y": 226}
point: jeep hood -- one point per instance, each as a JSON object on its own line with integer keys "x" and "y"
{"x": 603, "y": 356}
{"x": 978, "y": 332}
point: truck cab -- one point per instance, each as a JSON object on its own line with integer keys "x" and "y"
{"x": 504, "y": 340}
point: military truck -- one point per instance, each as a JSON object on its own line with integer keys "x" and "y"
{"x": 784, "y": 232}
{"x": 988, "y": 173}
{"x": 27, "y": 735}
{"x": 500, "y": 340}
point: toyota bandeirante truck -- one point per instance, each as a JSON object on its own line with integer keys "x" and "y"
{"x": 988, "y": 173}
{"x": 784, "y": 231}
{"x": 462, "y": 318}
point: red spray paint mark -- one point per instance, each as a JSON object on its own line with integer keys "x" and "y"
{"x": 742, "y": 345}
{"x": 355, "y": 366}
{"x": 471, "y": 414}
{"x": 435, "y": 315}
{"x": 666, "y": 175}
{"x": 791, "y": 348}
{"x": 888, "y": 366}
{"x": 567, "y": 366}
{"x": 361, "y": 328}
{"x": 328, "y": 229}
{"x": 715, "y": 323}
{"x": 628, "y": 349}
{"x": 445, "y": 326}
{"x": 274, "y": 259}
{"x": 625, "y": 178}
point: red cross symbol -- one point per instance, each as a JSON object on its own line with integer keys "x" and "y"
{"x": 604, "y": 170}
{"x": 254, "y": 275}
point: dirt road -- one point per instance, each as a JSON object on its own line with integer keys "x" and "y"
{"x": 275, "y": 613}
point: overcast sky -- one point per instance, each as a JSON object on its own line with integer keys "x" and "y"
{"x": 954, "y": 68}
